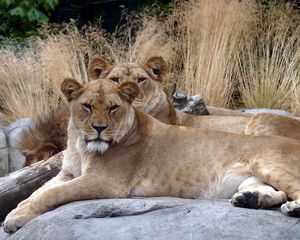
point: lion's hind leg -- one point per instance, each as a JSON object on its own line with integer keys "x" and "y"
{"x": 253, "y": 193}
{"x": 280, "y": 169}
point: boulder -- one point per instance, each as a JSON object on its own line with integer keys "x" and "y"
{"x": 193, "y": 105}
{"x": 14, "y": 133}
{"x": 4, "y": 167}
{"x": 157, "y": 218}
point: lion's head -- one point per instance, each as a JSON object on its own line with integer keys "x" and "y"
{"x": 148, "y": 76}
{"x": 100, "y": 111}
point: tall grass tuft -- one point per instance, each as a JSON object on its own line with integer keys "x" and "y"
{"x": 27, "y": 90}
{"x": 153, "y": 39}
{"x": 211, "y": 34}
{"x": 268, "y": 71}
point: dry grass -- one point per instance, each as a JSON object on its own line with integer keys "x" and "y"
{"x": 212, "y": 47}
{"x": 25, "y": 87}
{"x": 30, "y": 79}
{"x": 153, "y": 40}
{"x": 211, "y": 35}
{"x": 268, "y": 70}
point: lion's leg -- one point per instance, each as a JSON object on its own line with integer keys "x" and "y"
{"x": 253, "y": 193}
{"x": 84, "y": 187}
{"x": 281, "y": 170}
{"x": 61, "y": 177}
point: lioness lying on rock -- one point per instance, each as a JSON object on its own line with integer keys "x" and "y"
{"x": 49, "y": 136}
{"x": 115, "y": 150}
{"x": 153, "y": 100}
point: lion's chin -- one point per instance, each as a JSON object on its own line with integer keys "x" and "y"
{"x": 96, "y": 146}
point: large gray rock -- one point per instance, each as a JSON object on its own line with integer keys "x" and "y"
{"x": 158, "y": 218}
{"x": 4, "y": 167}
{"x": 14, "y": 133}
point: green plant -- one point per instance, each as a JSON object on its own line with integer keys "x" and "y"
{"x": 19, "y": 19}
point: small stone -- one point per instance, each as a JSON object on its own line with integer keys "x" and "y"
{"x": 194, "y": 105}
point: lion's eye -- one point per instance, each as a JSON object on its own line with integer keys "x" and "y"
{"x": 141, "y": 79}
{"x": 155, "y": 71}
{"x": 113, "y": 108}
{"x": 114, "y": 79}
{"x": 87, "y": 107}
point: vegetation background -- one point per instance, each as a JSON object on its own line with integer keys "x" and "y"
{"x": 21, "y": 18}
{"x": 235, "y": 53}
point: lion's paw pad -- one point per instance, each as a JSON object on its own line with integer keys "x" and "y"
{"x": 245, "y": 200}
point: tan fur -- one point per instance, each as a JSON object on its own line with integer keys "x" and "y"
{"x": 153, "y": 100}
{"x": 145, "y": 157}
{"x": 268, "y": 124}
{"x": 217, "y": 111}
{"x": 47, "y": 138}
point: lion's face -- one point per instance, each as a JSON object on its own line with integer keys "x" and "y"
{"x": 148, "y": 76}
{"x": 100, "y": 111}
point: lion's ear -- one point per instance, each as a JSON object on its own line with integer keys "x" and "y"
{"x": 98, "y": 68}
{"x": 128, "y": 90}
{"x": 71, "y": 89}
{"x": 157, "y": 67}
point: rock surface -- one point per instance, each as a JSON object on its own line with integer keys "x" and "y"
{"x": 4, "y": 167}
{"x": 266, "y": 110}
{"x": 14, "y": 133}
{"x": 192, "y": 105}
{"x": 157, "y": 218}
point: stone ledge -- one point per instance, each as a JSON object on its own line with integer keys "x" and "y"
{"x": 159, "y": 219}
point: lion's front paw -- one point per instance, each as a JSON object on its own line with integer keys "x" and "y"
{"x": 245, "y": 200}
{"x": 18, "y": 217}
{"x": 291, "y": 208}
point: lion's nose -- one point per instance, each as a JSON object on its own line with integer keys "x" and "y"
{"x": 99, "y": 128}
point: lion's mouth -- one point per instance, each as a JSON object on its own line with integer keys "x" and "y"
{"x": 99, "y": 140}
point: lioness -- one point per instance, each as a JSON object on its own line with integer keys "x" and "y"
{"x": 49, "y": 136}
{"x": 153, "y": 100}
{"x": 115, "y": 150}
